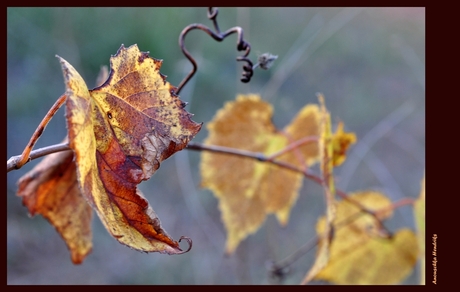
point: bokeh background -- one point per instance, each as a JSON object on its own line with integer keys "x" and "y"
{"x": 368, "y": 62}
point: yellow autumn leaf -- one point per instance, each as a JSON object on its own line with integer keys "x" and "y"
{"x": 358, "y": 252}
{"x": 248, "y": 190}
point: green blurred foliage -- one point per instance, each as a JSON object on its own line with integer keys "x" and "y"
{"x": 369, "y": 63}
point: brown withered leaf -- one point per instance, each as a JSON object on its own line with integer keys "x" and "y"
{"x": 120, "y": 133}
{"x": 51, "y": 189}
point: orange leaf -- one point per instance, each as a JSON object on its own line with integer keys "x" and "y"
{"x": 120, "y": 133}
{"x": 50, "y": 189}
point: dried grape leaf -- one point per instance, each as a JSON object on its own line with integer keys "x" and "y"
{"x": 120, "y": 132}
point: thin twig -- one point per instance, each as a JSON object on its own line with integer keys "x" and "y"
{"x": 253, "y": 155}
{"x": 294, "y": 145}
{"x": 281, "y": 266}
{"x": 11, "y": 164}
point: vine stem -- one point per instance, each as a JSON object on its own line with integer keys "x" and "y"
{"x": 254, "y": 155}
{"x": 13, "y": 162}
{"x": 293, "y": 146}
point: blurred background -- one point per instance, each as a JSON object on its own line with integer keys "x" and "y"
{"x": 368, "y": 62}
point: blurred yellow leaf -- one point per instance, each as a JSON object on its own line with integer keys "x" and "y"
{"x": 305, "y": 124}
{"x": 358, "y": 252}
{"x": 249, "y": 190}
{"x": 419, "y": 213}
{"x": 341, "y": 141}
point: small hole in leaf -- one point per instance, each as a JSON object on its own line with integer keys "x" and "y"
{"x": 109, "y": 115}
